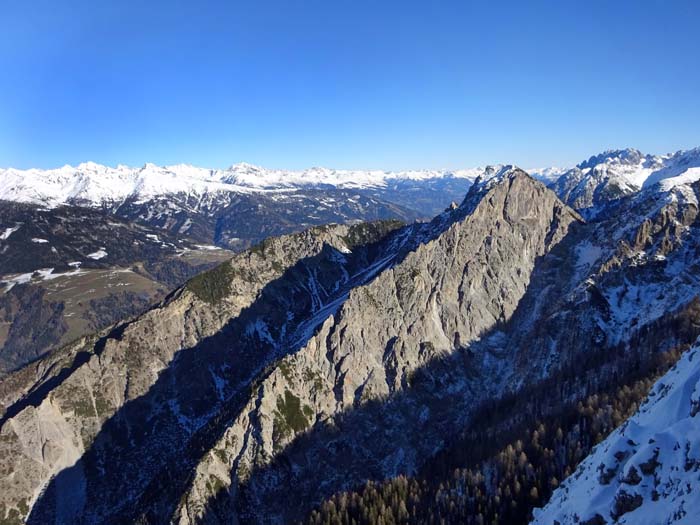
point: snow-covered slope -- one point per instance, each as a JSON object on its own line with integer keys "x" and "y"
{"x": 94, "y": 184}
{"x": 614, "y": 174}
{"x": 647, "y": 472}
{"x": 547, "y": 175}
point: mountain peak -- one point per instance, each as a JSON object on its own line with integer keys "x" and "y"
{"x": 491, "y": 177}
{"x": 626, "y": 156}
{"x": 245, "y": 167}
{"x": 494, "y": 175}
{"x": 90, "y": 166}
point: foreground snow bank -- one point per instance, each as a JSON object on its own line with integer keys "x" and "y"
{"x": 648, "y": 470}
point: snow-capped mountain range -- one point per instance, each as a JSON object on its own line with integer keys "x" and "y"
{"x": 94, "y": 184}
{"x": 602, "y": 177}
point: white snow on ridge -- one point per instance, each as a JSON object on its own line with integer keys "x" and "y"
{"x": 687, "y": 177}
{"x": 652, "y": 462}
{"x": 587, "y": 254}
{"x": 9, "y": 231}
{"x": 10, "y": 281}
{"x": 255, "y": 177}
{"x": 93, "y": 184}
{"x": 99, "y": 254}
{"x": 633, "y": 170}
{"x": 43, "y": 274}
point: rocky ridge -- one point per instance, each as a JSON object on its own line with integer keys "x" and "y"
{"x": 129, "y": 370}
{"x": 66, "y": 402}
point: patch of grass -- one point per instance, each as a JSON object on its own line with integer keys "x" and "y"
{"x": 213, "y": 285}
{"x": 290, "y": 417}
{"x": 222, "y": 455}
{"x": 369, "y": 232}
{"x": 261, "y": 247}
{"x": 13, "y": 517}
{"x": 101, "y": 404}
{"x": 215, "y": 484}
{"x": 286, "y": 370}
{"x": 79, "y": 401}
{"x": 308, "y": 412}
{"x": 314, "y": 378}
{"x": 290, "y": 409}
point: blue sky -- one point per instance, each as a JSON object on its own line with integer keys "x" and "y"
{"x": 345, "y": 84}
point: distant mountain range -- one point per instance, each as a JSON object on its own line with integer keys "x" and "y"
{"x": 611, "y": 173}
{"x": 91, "y": 184}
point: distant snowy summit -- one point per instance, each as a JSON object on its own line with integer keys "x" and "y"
{"x": 94, "y": 184}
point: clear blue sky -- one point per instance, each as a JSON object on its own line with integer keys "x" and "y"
{"x": 346, "y": 84}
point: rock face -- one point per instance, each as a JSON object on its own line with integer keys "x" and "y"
{"x": 71, "y": 402}
{"x": 647, "y": 471}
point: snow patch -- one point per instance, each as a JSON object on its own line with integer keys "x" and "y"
{"x": 99, "y": 254}
{"x": 11, "y": 281}
{"x": 9, "y": 231}
{"x": 587, "y": 254}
